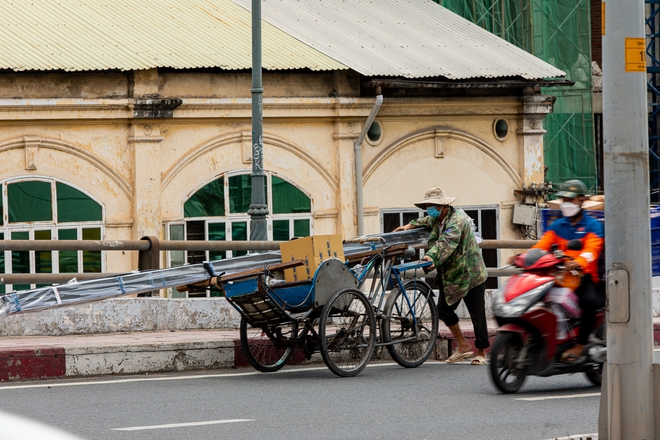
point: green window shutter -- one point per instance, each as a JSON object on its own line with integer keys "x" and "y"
{"x": 20, "y": 260}
{"x": 239, "y": 233}
{"x": 240, "y": 193}
{"x": 68, "y": 259}
{"x": 43, "y": 259}
{"x": 75, "y": 206}
{"x": 287, "y": 199}
{"x": 301, "y": 228}
{"x": 91, "y": 259}
{"x": 29, "y": 202}
{"x": 217, "y": 233}
{"x": 209, "y": 201}
{"x": 281, "y": 230}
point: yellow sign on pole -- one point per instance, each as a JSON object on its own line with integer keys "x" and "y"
{"x": 635, "y": 55}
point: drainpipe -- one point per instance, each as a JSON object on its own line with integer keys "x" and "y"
{"x": 358, "y": 161}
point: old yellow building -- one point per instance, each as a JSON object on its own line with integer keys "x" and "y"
{"x": 124, "y": 119}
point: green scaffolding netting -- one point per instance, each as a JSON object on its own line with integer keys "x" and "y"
{"x": 557, "y": 32}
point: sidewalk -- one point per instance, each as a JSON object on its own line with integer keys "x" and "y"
{"x": 41, "y": 357}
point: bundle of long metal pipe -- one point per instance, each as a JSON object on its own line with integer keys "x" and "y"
{"x": 75, "y": 292}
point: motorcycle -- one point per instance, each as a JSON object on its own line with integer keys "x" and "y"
{"x": 539, "y": 318}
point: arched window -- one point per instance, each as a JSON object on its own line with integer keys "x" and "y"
{"x": 218, "y": 211}
{"x": 45, "y": 209}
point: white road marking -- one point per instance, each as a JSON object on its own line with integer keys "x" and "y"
{"x": 567, "y": 396}
{"x": 200, "y": 376}
{"x": 179, "y": 425}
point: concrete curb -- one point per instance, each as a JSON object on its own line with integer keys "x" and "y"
{"x": 163, "y": 353}
{"x": 34, "y": 363}
{"x": 84, "y": 360}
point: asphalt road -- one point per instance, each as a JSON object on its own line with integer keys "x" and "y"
{"x": 436, "y": 400}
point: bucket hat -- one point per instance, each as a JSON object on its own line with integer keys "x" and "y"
{"x": 435, "y": 196}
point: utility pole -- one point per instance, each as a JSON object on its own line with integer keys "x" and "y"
{"x": 258, "y": 208}
{"x": 627, "y": 394}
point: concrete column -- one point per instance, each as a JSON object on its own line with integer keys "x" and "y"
{"x": 627, "y": 394}
{"x": 145, "y": 140}
{"x": 535, "y": 108}
{"x": 345, "y": 135}
{"x": 149, "y": 107}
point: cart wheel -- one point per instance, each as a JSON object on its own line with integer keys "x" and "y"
{"x": 410, "y": 324}
{"x": 347, "y": 332}
{"x": 263, "y": 346}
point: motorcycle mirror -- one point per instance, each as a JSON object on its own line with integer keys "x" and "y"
{"x": 574, "y": 245}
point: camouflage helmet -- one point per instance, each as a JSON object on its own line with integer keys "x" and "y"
{"x": 572, "y": 188}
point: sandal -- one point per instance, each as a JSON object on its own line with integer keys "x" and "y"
{"x": 478, "y": 360}
{"x": 458, "y": 356}
{"x": 572, "y": 355}
{"x": 572, "y": 358}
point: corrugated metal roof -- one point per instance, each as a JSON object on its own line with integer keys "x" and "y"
{"x": 77, "y": 35}
{"x": 398, "y": 38}
{"x": 402, "y": 38}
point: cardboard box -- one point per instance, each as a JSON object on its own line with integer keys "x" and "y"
{"x": 313, "y": 250}
{"x": 593, "y": 203}
{"x": 555, "y": 204}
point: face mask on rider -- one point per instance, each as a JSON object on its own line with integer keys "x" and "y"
{"x": 432, "y": 211}
{"x": 569, "y": 209}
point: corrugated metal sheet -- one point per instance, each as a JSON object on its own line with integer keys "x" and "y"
{"x": 398, "y": 38}
{"x": 402, "y": 38}
{"x": 77, "y": 35}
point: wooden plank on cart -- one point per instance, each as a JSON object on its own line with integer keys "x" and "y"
{"x": 254, "y": 272}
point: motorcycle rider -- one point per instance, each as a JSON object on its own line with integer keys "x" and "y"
{"x": 577, "y": 224}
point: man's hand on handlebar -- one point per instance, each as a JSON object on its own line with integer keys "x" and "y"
{"x": 572, "y": 265}
{"x": 432, "y": 266}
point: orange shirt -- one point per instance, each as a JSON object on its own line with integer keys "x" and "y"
{"x": 588, "y": 230}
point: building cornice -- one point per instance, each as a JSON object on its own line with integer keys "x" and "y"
{"x": 241, "y": 108}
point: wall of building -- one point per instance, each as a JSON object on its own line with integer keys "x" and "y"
{"x": 85, "y": 129}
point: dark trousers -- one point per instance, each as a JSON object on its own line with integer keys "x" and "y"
{"x": 476, "y": 305}
{"x": 591, "y": 298}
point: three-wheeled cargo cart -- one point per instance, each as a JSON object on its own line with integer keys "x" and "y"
{"x": 331, "y": 314}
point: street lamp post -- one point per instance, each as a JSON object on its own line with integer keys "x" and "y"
{"x": 258, "y": 208}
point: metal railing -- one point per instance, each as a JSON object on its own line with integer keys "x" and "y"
{"x": 149, "y": 249}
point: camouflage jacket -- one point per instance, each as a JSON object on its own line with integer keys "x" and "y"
{"x": 455, "y": 253}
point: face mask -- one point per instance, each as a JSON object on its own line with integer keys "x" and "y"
{"x": 432, "y": 211}
{"x": 569, "y": 209}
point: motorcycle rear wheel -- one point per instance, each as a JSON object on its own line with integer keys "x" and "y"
{"x": 595, "y": 376}
{"x": 506, "y": 371}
